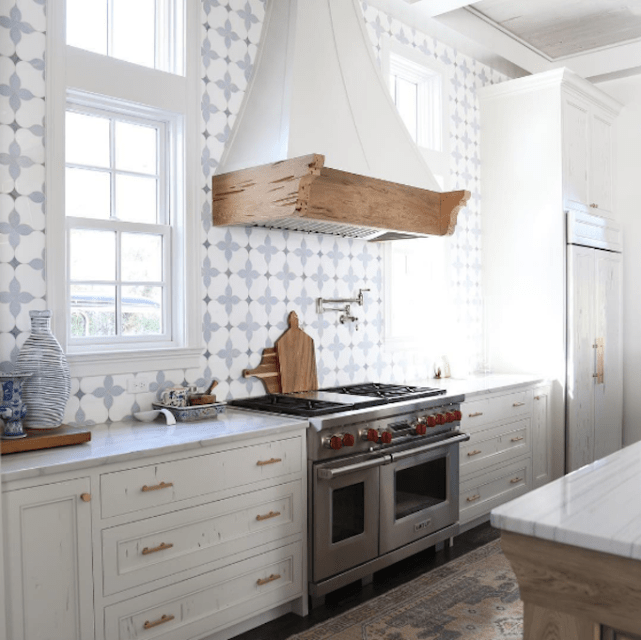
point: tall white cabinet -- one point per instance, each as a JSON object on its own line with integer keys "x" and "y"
{"x": 546, "y": 149}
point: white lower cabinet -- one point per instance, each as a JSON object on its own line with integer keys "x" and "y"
{"x": 48, "y": 562}
{"x": 187, "y": 546}
{"x": 508, "y": 452}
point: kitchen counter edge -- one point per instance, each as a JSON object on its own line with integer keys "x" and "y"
{"x": 123, "y": 441}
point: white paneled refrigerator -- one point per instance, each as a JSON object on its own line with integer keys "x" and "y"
{"x": 594, "y": 390}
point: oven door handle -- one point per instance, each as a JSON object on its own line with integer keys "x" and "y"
{"x": 329, "y": 474}
{"x": 461, "y": 437}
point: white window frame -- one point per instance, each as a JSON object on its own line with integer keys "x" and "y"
{"x": 80, "y": 74}
{"x": 411, "y": 61}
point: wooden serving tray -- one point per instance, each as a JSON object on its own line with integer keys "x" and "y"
{"x": 45, "y": 439}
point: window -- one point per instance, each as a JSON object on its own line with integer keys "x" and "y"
{"x": 145, "y": 32}
{"x": 122, "y": 145}
{"x": 118, "y": 221}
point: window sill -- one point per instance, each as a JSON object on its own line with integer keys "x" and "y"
{"x": 117, "y": 362}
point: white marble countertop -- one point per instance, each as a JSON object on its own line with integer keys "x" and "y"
{"x": 596, "y": 507}
{"x": 122, "y": 441}
{"x": 476, "y": 385}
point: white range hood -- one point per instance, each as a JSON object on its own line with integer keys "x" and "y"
{"x": 316, "y": 89}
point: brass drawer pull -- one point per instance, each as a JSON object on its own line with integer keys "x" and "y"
{"x": 515, "y": 480}
{"x": 518, "y": 404}
{"x": 517, "y": 439}
{"x": 155, "y": 487}
{"x": 474, "y": 415}
{"x": 262, "y": 463}
{"x": 474, "y": 453}
{"x": 161, "y": 547}
{"x": 267, "y": 516}
{"x": 261, "y": 581}
{"x": 473, "y": 498}
{"x": 85, "y": 497}
{"x": 151, "y": 625}
{"x": 537, "y": 397}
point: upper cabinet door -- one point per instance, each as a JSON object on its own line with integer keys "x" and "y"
{"x": 601, "y": 165}
{"x": 576, "y": 131}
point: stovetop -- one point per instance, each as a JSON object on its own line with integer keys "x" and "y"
{"x": 335, "y": 399}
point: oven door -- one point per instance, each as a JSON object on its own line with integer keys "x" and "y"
{"x": 345, "y": 514}
{"x": 419, "y": 492}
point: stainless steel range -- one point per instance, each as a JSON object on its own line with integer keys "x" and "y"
{"x": 383, "y": 471}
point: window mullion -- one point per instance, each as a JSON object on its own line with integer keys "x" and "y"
{"x": 118, "y": 282}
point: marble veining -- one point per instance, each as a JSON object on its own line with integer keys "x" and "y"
{"x": 596, "y": 507}
{"x": 120, "y": 441}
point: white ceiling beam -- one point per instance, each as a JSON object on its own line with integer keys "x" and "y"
{"x": 431, "y": 8}
{"x": 486, "y": 34}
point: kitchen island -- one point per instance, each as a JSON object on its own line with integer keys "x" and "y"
{"x": 575, "y": 546}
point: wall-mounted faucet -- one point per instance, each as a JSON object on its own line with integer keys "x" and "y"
{"x": 345, "y": 309}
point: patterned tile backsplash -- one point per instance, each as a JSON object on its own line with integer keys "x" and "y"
{"x": 251, "y": 278}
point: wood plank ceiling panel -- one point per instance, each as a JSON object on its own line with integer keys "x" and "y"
{"x": 566, "y": 28}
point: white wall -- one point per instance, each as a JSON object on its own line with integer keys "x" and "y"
{"x": 628, "y": 205}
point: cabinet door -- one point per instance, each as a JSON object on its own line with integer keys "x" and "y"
{"x": 600, "y": 191}
{"x": 608, "y": 396}
{"x": 576, "y": 131}
{"x": 48, "y": 580}
{"x": 541, "y": 437}
{"x": 581, "y": 358}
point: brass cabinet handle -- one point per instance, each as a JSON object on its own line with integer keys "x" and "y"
{"x": 262, "y": 463}
{"x": 518, "y": 439}
{"x": 85, "y": 497}
{"x": 518, "y": 404}
{"x": 537, "y": 397}
{"x": 267, "y": 516}
{"x": 474, "y": 453}
{"x": 155, "y": 487}
{"x": 155, "y": 623}
{"x": 261, "y": 581}
{"x": 473, "y": 498}
{"x": 600, "y": 355}
{"x": 474, "y": 415}
{"x": 161, "y": 547}
{"x": 515, "y": 480}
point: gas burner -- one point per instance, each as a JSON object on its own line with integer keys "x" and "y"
{"x": 291, "y": 405}
{"x": 388, "y": 391}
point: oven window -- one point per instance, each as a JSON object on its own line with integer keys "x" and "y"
{"x": 420, "y": 487}
{"x": 348, "y": 512}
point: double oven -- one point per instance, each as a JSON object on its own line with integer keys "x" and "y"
{"x": 383, "y": 478}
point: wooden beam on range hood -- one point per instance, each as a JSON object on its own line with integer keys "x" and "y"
{"x": 301, "y": 193}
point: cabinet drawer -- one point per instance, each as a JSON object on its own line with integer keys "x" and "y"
{"x": 210, "y": 602}
{"x": 496, "y": 445}
{"x": 513, "y": 404}
{"x": 150, "y": 549}
{"x": 479, "y": 413}
{"x": 170, "y": 482}
{"x": 482, "y": 493}
{"x": 475, "y": 414}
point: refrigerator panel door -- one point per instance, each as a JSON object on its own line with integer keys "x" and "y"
{"x": 581, "y": 358}
{"x": 608, "y": 396}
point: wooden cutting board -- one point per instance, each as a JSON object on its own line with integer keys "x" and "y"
{"x": 296, "y": 359}
{"x": 290, "y": 365}
{"x": 45, "y": 439}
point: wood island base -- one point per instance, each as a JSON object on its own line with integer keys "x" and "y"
{"x": 571, "y": 593}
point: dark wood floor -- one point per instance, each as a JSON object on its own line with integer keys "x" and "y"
{"x": 343, "y": 599}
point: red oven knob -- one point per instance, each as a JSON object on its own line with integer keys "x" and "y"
{"x": 386, "y": 437}
{"x": 348, "y": 440}
{"x": 440, "y": 418}
{"x": 335, "y": 442}
{"x": 372, "y": 435}
{"x": 449, "y": 416}
{"x": 421, "y": 429}
{"x": 457, "y": 415}
{"x": 431, "y": 421}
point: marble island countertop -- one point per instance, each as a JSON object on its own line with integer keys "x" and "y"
{"x": 596, "y": 507}
{"x": 479, "y": 384}
{"x": 122, "y": 441}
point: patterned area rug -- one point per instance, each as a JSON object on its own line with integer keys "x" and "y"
{"x": 474, "y": 597}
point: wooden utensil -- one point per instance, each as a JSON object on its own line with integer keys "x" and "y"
{"x": 267, "y": 371}
{"x": 296, "y": 359}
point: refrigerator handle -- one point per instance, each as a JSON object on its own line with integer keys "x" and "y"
{"x": 599, "y": 345}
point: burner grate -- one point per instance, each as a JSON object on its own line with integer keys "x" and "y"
{"x": 387, "y": 391}
{"x": 291, "y": 405}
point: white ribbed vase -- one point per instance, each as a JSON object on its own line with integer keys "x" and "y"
{"x": 47, "y": 391}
